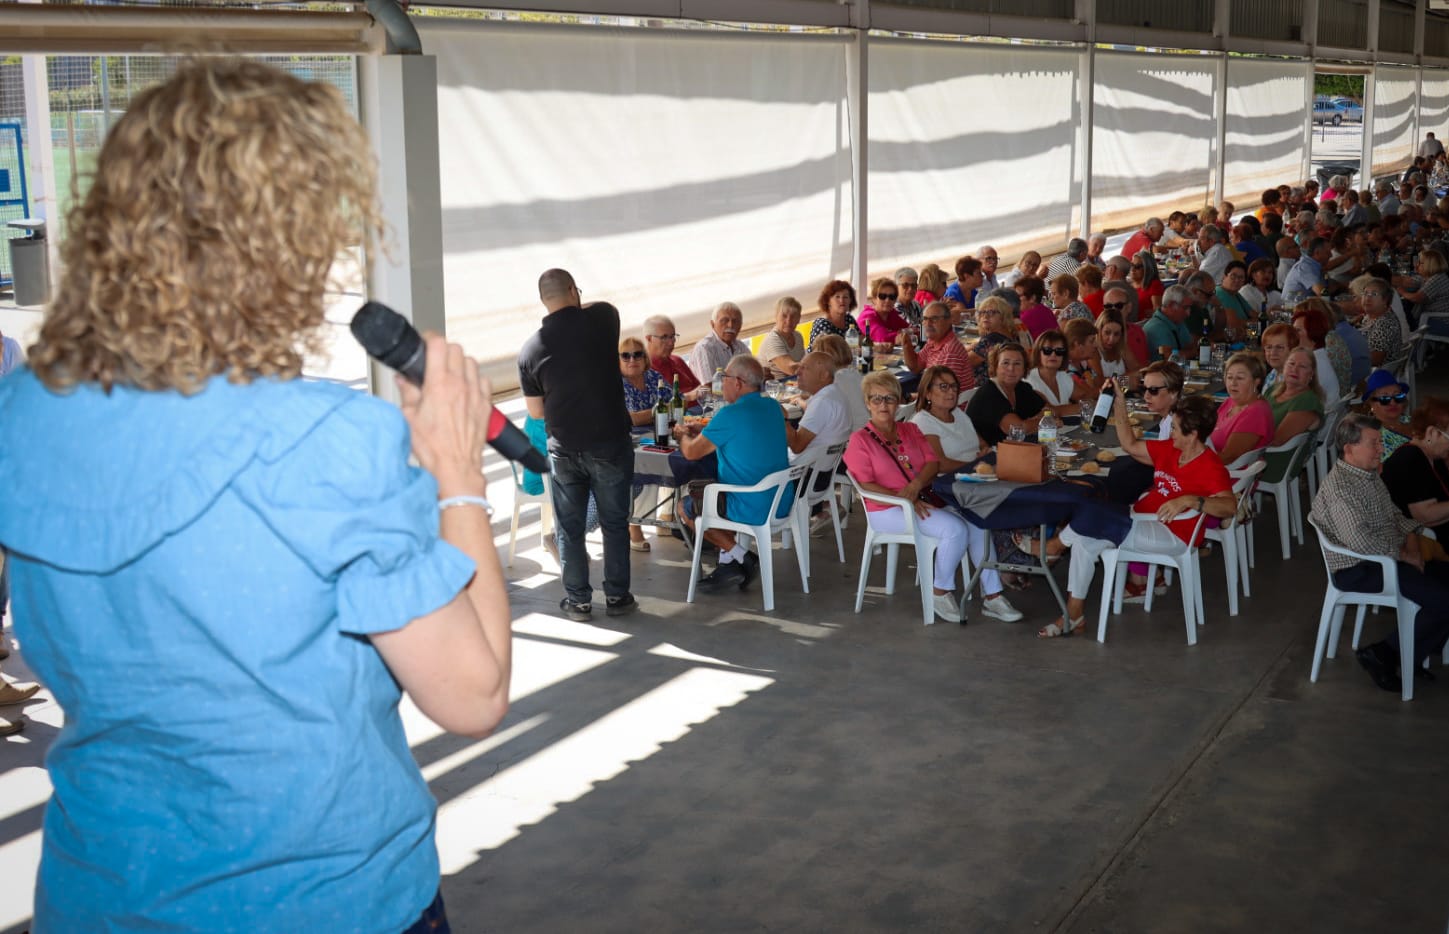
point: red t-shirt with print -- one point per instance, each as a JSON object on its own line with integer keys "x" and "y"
{"x": 1203, "y": 476}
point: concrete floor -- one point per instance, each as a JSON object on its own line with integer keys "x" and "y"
{"x": 715, "y": 768}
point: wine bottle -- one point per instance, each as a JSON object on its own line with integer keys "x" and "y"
{"x": 663, "y": 416}
{"x": 1103, "y": 411}
{"x": 1205, "y": 346}
{"x": 867, "y": 354}
{"x": 676, "y": 404}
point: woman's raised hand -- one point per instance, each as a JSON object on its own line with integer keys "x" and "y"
{"x": 449, "y": 417}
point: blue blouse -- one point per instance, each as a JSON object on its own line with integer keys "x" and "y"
{"x": 637, "y": 400}
{"x": 195, "y": 578}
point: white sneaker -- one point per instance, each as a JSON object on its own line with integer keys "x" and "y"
{"x": 999, "y": 608}
{"x": 945, "y": 606}
{"x": 820, "y": 523}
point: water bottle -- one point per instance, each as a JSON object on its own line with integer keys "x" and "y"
{"x": 852, "y": 340}
{"x": 1046, "y": 431}
{"x": 716, "y": 385}
{"x": 1103, "y": 411}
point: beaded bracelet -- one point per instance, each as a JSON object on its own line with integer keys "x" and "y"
{"x": 452, "y": 501}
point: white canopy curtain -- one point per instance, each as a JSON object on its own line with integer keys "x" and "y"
{"x": 1154, "y": 135}
{"x": 1265, "y": 127}
{"x": 969, "y": 144}
{"x": 1394, "y": 142}
{"x": 1434, "y": 104}
{"x": 668, "y": 171}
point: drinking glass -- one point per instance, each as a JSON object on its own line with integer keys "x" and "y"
{"x": 1018, "y": 433}
{"x": 773, "y": 388}
{"x": 1088, "y": 407}
{"x": 705, "y": 397}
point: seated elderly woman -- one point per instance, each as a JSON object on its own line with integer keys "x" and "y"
{"x": 1049, "y": 376}
{"x": 782, "y": 349}
{"x": 930, "y": 286}
{"x": 1430, "y": 291}
{"x": 1026, "y": 266}
{"x": 837, "y": 301}
{"x": 1037, "y": 317}
{"x": 1189, "y": 478}
{"x": 1089, "y": 287}
{"x": 1417, "y": 474}
{"x": 1388, "y": 401}
{"x": 894, "y": 458}
{"x": 643, "y": 389}
{"x": 1277, "y": 340}
{"x": 1244, "y": 420}
{"x": 1236, "y": 310}
{"x": 1297, "y": 404}
{"x": 1007, "y": 401}
{"x": 960, "y": 295}
{"x": 880, "y": 322}
{"x": 1064, "y": 289}
{"x": 1313, "y": 321}
{"x": 1147, "y": 282}
{"x": 954, "y": 442}
{"x": 1379, "y": 324}
{"x": 1261, "y": 293}
{"x": 996, "y": 323}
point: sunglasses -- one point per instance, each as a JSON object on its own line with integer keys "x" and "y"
{"x": 1154, "y": 390}
{"x": 887, "y": 296}
{"x": 1387, "y": 400}
{"x": 883, "y": 400}
{"x": 632, "y": 355}
{"x": 1138, "y": 266}
{"x": 1114, "y": 306}
{"x": 1054, "y": 351}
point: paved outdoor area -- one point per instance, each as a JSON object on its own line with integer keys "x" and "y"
{"x": 711, "y": 767}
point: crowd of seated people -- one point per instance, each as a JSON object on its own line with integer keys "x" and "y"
{"x": 1044, "y": 336}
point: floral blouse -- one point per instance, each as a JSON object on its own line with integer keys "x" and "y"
{"x": 637, "y": 400}
{"x": 822, "y": 326}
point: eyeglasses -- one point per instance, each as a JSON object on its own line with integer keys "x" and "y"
{"x": 938, "y": 387}
{"x": 1138, "y": 266}
{"x": 1153, "y": 390}
{"x": 1113, "y": 306}
{"x": 662, "y": 337}
{"x": 1054, "y": 351}
{"x": 883, "y": 400}
{"x": 887, "y": 296}
{"x": 1387, "y": 400}
{"x": 936, "y": 318}
{"x": 632, "y": 355}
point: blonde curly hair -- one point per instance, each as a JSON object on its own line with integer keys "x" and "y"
{"x": 221, "y": 200}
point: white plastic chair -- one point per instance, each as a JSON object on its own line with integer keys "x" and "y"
{"x": 1184, "y": 559}
{"x": 1320, "y": 461}
{"x": 1285, "y": 491}
{"x": 825, "y": 462}
{"x": 710, "y": 518}
{"x": 1335, "y": 601}
{"x": 522, "y": 499}
{"x": 1232, "y": 535}
{"x": 925, "y": 547}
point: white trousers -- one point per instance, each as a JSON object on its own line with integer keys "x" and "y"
{"x": 954, "y": 534}
{"x": 1082, "y": 567}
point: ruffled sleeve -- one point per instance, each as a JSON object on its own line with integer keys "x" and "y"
{"x": 346, "y": 501}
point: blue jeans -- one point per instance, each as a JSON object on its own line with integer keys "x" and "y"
{"x": 434, "y": 920}
{"x": 610, "y": 477}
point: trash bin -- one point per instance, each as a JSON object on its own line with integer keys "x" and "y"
{"x": 1328, "y": 171}
{"x": 30, "y": 263}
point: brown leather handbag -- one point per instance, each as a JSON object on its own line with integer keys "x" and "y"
{"x": 1021, "y": 461}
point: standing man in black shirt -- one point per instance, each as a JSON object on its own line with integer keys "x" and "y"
{"x": 570, "y": 378}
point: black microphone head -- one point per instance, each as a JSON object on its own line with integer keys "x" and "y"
{"x": 389, "y": 338}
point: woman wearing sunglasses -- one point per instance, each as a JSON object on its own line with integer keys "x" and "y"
{"x": 1417, "y": 475}
{"x": 643, "y": 388}
{"x": 1049, "y": 376}
{"x": 1388, "y": 401}
{"x": 894, "y": 458}
{"x": 880, "y": 322}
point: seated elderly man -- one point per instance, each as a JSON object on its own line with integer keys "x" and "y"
{"x": 1306, "y": 277}
{"x": 748, "y": 438}
{"x": 721, "y": 344}
{"x": 1095, "y": 245}
{"x": 1388, "y": 201}
{"x": 1144, "y": 239}
{"x": 659, "y": 337}
{"x": 1167, "y": 328}
{"x": 942, "y": 348}
{"x": 1354, "y": 510}
{"x": 827, "y": 419}
{"x": 1067, "y": 263}
{"x": 1213, "y": 248}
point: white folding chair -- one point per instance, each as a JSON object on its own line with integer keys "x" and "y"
{"x": 824, "y": 463}
{"x": 1184, "y": 559}
{"x": 1285, "y": 490}
{"x": 1231, "y": 536}
{"x": 710, "y": 518}
{"x": 1335, "y": 601}
{"x": 925, "y": 547}
{"x": 522, "y": 499}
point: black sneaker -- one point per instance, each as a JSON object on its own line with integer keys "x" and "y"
{"x": 751, "y": 565}
{"x": 1374, "y": 659}
{"x": 724, "y": 577}
{"x": 578, "y": 612}
{"x": 621, "y": 606}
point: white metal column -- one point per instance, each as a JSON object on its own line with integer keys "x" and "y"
{"x": 1420, "y": 9}
{"x": 858, "y": 94}
{"x": 1087, "y": 98}
{"x": 1366, "y": 147}
{"x": 1222, "y": 15}
{"x": 399, "y": 95}
{"x": 39, "y": 156}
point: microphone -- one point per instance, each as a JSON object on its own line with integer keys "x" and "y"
{"x": 391, "y": 340}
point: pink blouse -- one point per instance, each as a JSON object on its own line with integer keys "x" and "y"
{"x": 869, "y": 462}
{"x": 1255, "y": 419}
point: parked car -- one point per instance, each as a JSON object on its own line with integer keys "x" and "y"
{"x": 1352, "y": 111}
{"x": 1327, "y": 112}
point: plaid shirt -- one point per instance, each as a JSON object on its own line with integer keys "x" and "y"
{"x": 1354, "y": 510}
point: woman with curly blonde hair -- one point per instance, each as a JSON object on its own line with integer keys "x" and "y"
{"x": 258, "y": 545}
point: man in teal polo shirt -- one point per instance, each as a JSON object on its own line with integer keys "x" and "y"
{"x": 748, "y": 438}
{"x": 1166, "y": 327}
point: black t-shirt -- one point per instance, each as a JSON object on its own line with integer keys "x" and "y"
{"x": 989, "y": 406}
{"x": 572, "y": 361}
{"x": 1412, "y": 478}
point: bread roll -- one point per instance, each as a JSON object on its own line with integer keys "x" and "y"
{"x": 1090, "y": 467}
{"x": 1106, "y": 457}
{"x": 985, "y": 470}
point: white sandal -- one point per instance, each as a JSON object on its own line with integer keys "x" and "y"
{"x": 1056, "y": 629}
